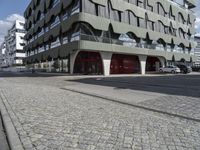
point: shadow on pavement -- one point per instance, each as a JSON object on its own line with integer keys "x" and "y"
{"x": 183, "y": 85}
{"x": 29, "y": 74}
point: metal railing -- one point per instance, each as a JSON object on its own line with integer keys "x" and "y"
{"x": 130, "y": 43}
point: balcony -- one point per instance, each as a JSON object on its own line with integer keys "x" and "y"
{"x": 55, "y": 23}
{"x": 191, "y": 3}
{"x": 55, "y": 44}
{"x": 127, "y": 43}
{"x": 55, "y": 3}
{"x": 41, "y": 49}
{"x": 41, "y": 33}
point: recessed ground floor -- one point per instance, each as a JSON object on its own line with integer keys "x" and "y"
{"x": 103, "y": 63}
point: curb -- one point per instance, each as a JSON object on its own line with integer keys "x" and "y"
{"x": 12, "y": 136}
{"x": 130, "y": 104}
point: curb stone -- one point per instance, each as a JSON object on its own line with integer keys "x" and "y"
{"x": 13, "y": 138}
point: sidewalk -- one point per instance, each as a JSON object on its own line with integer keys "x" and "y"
{"x": 3, "y": 141}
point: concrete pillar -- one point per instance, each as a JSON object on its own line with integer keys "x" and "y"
{"x": 36, "y": 66}
{"x": 49, "y": 65}
{"x": 106, "y": 59}
{"x": 73, "y": 55}
{"x": 143, "y": 59}
{"x": 162, "y": 61}
{"x": 59, "y": 64}
{"x": 42, "y": 65}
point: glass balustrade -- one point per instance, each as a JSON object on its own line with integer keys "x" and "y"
{"x": 55, "y": 23}
{"x": 55, "y": 44}
{"x": 124, "y": 42}
{"x": 41, "y": 33}
{"x": 41, "y": 49}
{"x": 55, "y": 3}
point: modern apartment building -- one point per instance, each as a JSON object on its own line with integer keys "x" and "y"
{"x": 15, "y": 43}
{"x": 109, "y": 36}
{"x": 197, "y": 50}
{"x": 2, "y": 55}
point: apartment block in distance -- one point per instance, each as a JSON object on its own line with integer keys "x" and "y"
{"x": 109, "y": 36}
{"x": 15, "y": 43}
{"x": 197, "y": 50}
{"x": 2, "y": 55}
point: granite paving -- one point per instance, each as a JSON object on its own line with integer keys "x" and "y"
{"x": 46, "y": 117}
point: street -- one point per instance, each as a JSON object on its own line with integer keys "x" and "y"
{"x": 96, "y": 113}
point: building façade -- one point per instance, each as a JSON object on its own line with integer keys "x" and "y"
{"x": 109, "y": 36}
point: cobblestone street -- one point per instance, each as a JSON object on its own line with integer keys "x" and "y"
{"x": 47, "y": 117}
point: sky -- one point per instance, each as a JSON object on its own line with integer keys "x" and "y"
{"x": 11, "y": 10}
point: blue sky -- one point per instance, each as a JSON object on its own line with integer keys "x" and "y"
{"x": 11, "y": 10}
{"x": 8, "y": 7}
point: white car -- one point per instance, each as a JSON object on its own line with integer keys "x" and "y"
{"x": 170, "y": 69}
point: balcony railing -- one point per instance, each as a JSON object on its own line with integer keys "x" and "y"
{"x": 55, "y": 44}
{"x": 129, "y": 43}
{"x": 55, "y": 3}
{"x": 41, "y": 33}
{"x": 65, "y": 16}
{"x": 41, "y": 49}
{"x": 55, "y": 23}
{"x": 124, "y": 42}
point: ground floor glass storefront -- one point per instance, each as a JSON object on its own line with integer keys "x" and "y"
{"x": 103, "y": 63}
{"x": 124, "y": 64}
{"x": 88, "y": 63}
{"x": 54, "y": 65}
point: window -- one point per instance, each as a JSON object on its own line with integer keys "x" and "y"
{"x": 150, "y": 25}
{"x": 46, "y": 29}
{"x": 180, "y": 2}
{"x": 65, "y": 15}
{"x": 54, "y": 3}
{"x": 41, "y": 48}
{"x": 39, "y": 16}
{"x": 22, "y": 44}
{"x": 171, "y": 16}
{"x": 65, "y": 39}
{"x": 148, "y": 7}
{"x": 142, "y": 23}
{"x": 38, "y": 2}
{"x": 55, "y": 43}
{"x": 76, "y": 8}
{"x": 161, "y": 10}
{"x": 55, "y": 22}
{"x": 181, "y": 33}
{"x": 181, "y": 18}
{"x": 41, "y": 32}
{"x": 161, "y": 27}
{"x": 75, "y": 36}
{"x": 140, "y": 3}
{"x": 21, "y": 24}
{"x": 127, "y": 40}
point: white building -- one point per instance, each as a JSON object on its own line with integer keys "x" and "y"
{"x": 15, "y": 42}
{"x": 2, "y": 55}
{"x": 197, "y": 50}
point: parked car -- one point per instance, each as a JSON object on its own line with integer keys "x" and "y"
{"x": 170, "y": 69}
{"x": 185, "y": 69}
{"x": 196, "y": 68}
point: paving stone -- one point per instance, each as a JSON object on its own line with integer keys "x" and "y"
{"x": 47, "y": 117}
